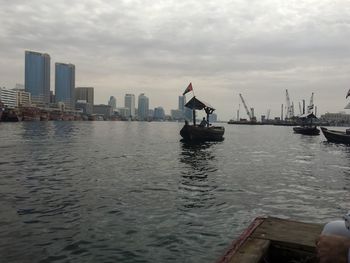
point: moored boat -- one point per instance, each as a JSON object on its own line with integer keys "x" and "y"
{"x": 336, "y": 136}
{"x": 274, "y": 240}
{"x": 307, "y": 130}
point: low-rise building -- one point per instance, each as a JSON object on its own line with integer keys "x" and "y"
{"x": 105, "y": 110}
{"x": 8, "y": 97}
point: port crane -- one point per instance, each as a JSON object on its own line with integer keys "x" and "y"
{"x": 249, "y": 113}
{"x": 311, "y": 105}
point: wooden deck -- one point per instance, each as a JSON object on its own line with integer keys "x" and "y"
{"x": 273, "y": 240}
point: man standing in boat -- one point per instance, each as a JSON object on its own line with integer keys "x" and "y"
{"x": 204, "y": 123}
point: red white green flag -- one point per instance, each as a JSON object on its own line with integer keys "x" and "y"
{"x": 188, "y": 89}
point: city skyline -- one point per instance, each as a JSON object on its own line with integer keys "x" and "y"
{"x": 224, "y": 48}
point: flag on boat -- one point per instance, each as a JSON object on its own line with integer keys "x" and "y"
{"x": 188, "y": 89}
{"x": 348, "y": 94}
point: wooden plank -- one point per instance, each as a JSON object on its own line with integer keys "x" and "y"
{"x": 252, "y": 251}
{"x": 302, "y": 235}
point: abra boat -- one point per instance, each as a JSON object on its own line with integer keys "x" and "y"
{"x": 307, "y": 127}
{"x": 274, "y": 240}
{"x": 203, "y": 131}
{"x": 336, "y": 136}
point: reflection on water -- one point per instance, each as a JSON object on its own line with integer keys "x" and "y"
{"x": 131, "y": 192}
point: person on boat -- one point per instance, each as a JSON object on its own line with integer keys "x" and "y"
{"x": 203, "y": 123}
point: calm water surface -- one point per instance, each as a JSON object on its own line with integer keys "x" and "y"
{"x": 132, "y": 192}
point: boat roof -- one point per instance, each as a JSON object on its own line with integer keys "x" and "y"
{"x": 197, "y": 104}
{"x": 308, "y": 116}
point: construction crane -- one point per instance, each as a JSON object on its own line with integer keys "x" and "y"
{"x": 246, "y": 108}
{"x": 268, "y": 114}
{"x": 311, "y": 105}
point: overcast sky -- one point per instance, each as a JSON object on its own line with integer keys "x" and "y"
{"x": 258, "y": 48}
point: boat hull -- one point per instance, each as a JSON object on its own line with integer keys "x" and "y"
{"x": 336, "y": 136}
{"x": 196, "y": 133}
{"x": 307, "y": 130}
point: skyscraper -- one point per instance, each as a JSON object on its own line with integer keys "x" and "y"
{"x": 113, "y": 103}
{"x": 182, "y": 102}
{"x": 37, "y": 76}
{"x": 85, "y": 93}
{"x": 65, "y": 84}
{"x": 143, "y": 107}
{"x": 129, "y": 102}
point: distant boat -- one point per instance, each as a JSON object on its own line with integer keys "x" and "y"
{"x": 336, "y": 136}
{"x": 307, "y": 127}
{"x": 204, "y": 131}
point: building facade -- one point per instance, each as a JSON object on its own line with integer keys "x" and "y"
{"x": 37, "y": 77}
{"x": 182, "y": 102}
{"x": 129, "y": 102}
{"x": 104, "y": 110}
{"x": 159, "y": 114}
{"x": 65, "y": 84}
{"x": 85, "y": 93}
{"x": 113, "y": 103}
{"x": 8, "y": 97}
{"x": 23, "y": 98}
{"x": 143, "y": 107}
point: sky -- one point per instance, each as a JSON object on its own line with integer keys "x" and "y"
{"x": 258, "y": 48}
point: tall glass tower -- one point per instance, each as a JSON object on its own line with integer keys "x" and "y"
{"x": 37, "y": 77}
{"x": 143, "y": 107}
{"x": 65, "y": 84}
{"x": 129, "y": 102}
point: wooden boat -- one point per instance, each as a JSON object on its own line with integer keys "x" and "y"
{"x": 336, "y": 136}
{"x": 307, "y": 130}
{"x": 307, "y": 127}
{"x": 274, "y": 240}
{"x": 197, "y": 133}
{"x": 204, "y": 131}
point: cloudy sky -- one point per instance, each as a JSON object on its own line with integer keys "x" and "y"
{"x": 258, "y": 48}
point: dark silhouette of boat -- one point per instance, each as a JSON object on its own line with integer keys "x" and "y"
{"x": 307, "y": 130}
{"x": 204, "y": 131}
{"x": 307, "y": 127}
{"x": 336, "y": 136}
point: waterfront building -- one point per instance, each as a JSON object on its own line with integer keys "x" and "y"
{"x": 143, "y": 107}
{"x": 52, "y": 97}
{"x": 65, "y": 84}
{"x": 159, "y": 114}
{"x": 84, "y": 107}
{"x": 113, "y": 103}
{"x": 8, "y": 97}
{"x": 23, "y": 98}
{"x": 129, "y": 102}
{"x": 176, "y": 114}
{"x": 104, "y": 110}
{"x": 85, "y": 93}
{"x": 124, "y": 112}
{"x": 340, "y": 118}
{"x": 37, "y": 77}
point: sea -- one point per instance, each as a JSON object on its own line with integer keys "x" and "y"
{"x": 134, "y": 192}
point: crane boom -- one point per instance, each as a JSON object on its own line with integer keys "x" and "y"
{"x": 246, "y": 107}
{"x": 311, "y": 105}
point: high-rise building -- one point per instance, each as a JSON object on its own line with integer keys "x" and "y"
{"x": 129, "y": 102}
{"x": 113, "y": 103}
{"x": 159, "y": 113}
{"x": 143, "y": 107}
{"x": 65, "y": 84}
{"x": 37, "y": 76}
{"x": 182, "y": 102}
{"x": 23, "y": 98}
{"x": 85, "y": 93}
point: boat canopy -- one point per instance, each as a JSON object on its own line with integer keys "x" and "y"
{"x": 308, "y": 116}
{"x": 196, "y": 104}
